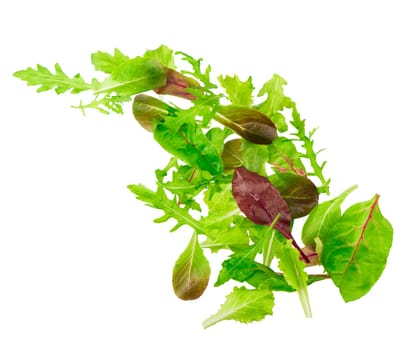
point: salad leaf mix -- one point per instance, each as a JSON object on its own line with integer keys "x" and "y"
{"x": 242, "y": 168}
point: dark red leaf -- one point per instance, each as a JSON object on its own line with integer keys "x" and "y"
{"x": 261, "y": 202}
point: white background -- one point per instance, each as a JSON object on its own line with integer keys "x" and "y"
{"x": 82, "y": 266}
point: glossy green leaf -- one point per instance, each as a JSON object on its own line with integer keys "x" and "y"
{"x": 191, "y": 272}
{"x": 244, "y": 305}
{"x": 190, "y": 145}
{"x": 238, "y": 91}
{"x": 298, "y": 191}
{"x": 355, "y": 250}
{"x": 232, "y": 155}
{"x": 323, "y": 218}
{"x": 247, "y": 122}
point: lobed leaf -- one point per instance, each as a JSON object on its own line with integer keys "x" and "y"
{"x": 238, "y": 91}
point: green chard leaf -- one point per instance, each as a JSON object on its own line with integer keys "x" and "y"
{"x": 238, "y": 91}
{"x": 58, "y": 80}
{"x": 244, "y": 305}
{"x": 356, "y": 248}
{"x": 191, "y": 272}
{"x": 323, "y": 218}
{"x": 294, "y": 274}
{"x": 284, "y": 157}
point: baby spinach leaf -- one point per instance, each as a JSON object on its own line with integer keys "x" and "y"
{"x": 298, "y": 191}
{"x": 191, "y": 272}
{"x": 356, "y": 248}
{"x": 232, "y": 154}
{"x": 323, "y": 218}
{"x": 247, "y": 122}
{"x": 244, "y": 305}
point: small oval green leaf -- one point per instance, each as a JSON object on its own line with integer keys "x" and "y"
{"x": 247, "y": 122}
{"x": 299, "y": 192}
{"x": 191, "y": 272}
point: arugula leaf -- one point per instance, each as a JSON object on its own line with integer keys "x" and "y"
{"x": 310, "y": 154}
{"x": 238, "y": 91}
{"x": 172, "y": 210}
{"x": 355, "y": 250}
{"x": 191, "y": 272}
{"x": 244, "y": 305}
{"x": 58, "y": 80}
{"x": 105, "y": 62}
{"x": 294, "y": 274}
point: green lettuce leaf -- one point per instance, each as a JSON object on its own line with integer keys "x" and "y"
{"x": 108, "y": 63}
{"x": 162, "y": 54}
{"x": 275, "y": 102}
{"x": 244, "y": 305}
{"x": 238, "y": 91}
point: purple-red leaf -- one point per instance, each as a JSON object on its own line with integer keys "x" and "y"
{"x": 261, "y": 202}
